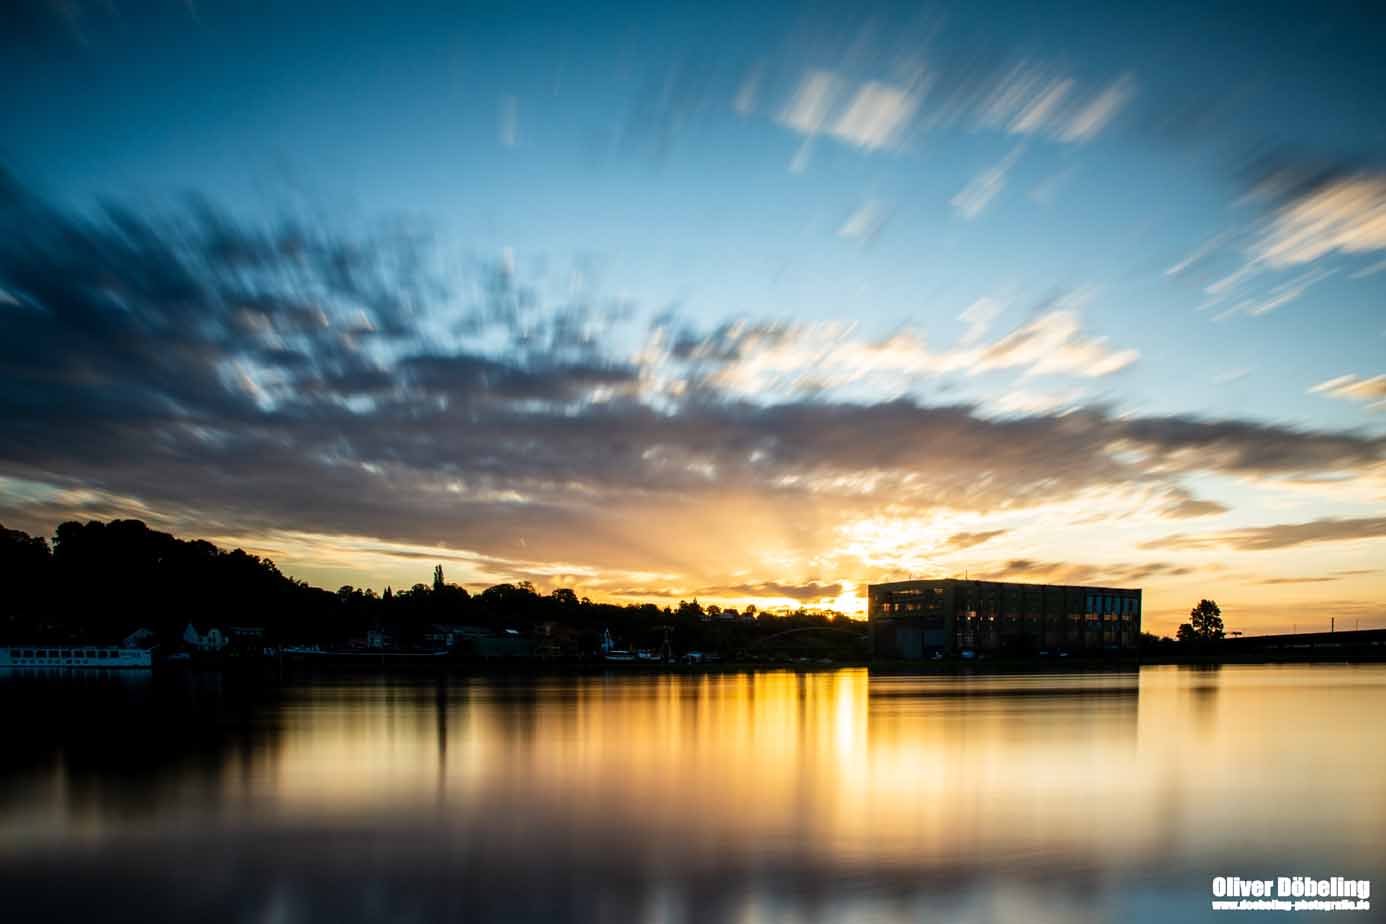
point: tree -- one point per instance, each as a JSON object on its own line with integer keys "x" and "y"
{"x": 437, "y": 578}
{"x": 1205, "y": 623}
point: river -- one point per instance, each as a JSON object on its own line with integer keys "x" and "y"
{"x": 835, "y": 795}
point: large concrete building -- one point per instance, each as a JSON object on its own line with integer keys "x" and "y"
{"x": 917, "y": 619}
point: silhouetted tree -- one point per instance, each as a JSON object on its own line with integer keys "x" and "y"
{"x": 1205, "y": 623}
{"x": 99, "y": 581}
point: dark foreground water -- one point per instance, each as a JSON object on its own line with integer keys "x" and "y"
{"x": 768, "y": 796}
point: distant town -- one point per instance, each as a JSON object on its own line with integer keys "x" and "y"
{"x": 119, "y": 594}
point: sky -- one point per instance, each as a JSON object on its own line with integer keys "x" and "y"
{"x": 753, "y": 303}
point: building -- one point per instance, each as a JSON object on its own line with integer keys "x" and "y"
{"x": 204, "y": 638}
{"x": 450, "y": 635}
{"x": 910, "y": 620}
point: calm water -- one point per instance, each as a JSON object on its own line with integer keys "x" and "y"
{"x": 769, "y": 796}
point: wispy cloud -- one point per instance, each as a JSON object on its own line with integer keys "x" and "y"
{"x": 1279, "y": 536}
{"x": 1370, "y": 391}
{"x": 866, "y": 222}
{"x": 978, "y": 317}
{"x": 877, "y": 116}
{"x": 972, "y": 200}
{"x": 957, "y": 542}
{"x": 812, "y": 103}
{"x": 872, "y": 116}
{"x": 1370, "y": 270}
{"x": 1344, "y": 214}
{"x": 1088, "y": 122}
{"x": 744, "y": 103}
{"x": 765, "y": 359}
{"x": 509, "y": 131}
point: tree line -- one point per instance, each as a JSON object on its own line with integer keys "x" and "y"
{"x": 99, "y": 581}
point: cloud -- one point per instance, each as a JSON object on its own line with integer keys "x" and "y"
{"x": 1037, "y": 402}
{"x": 811, "y": 590}
{"x": 744, "y": 103}
{"x": 768, "y": 359}
{"x": 1054, "y": 343}
{"x": 973, "y": 199}
{"x": 1279, "y": 536}
{"x": 1371, "y": 392}
{"x": 978, "y": 317}
{"x": 1342, "y": 213}
{"x": 509, "y": 132}
{"x": 1038, "y": 113}
{"x": 1367, "y": 272}
{"x": 873, "y": 116}
{"x": 808, "y": 110}
{"x": 1185, "y": 506}
{"x": 1056, "y": 572}
{"x": 1088, "y": 122}
{"x": 960, "y": 541}
{"x": 1201, "y": 253}
{"x": 1031, "y": 100}
{"x": 238, "y": 379}
{"x": 1228, "y": 376}
{"x": 876, "y": 116}
{"x": 1279, "y": 295}
{"x": 866, "y": 222}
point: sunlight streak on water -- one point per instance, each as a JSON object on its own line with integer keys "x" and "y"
{"x": 821, "y": 795}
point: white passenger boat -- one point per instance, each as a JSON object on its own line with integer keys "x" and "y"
{"x": 85, "y": 657}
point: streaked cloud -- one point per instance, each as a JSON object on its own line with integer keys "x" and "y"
{"x": 765, "y": 359}
{"x": 812, "y": 103}
{"x": 1278, "y": 295}
{"x": 1185, "y": 506}
{"x": 1202, "y": 252}
{"x": 805, "y": 592}
{"x": 1054, "y": 343}
{"x": 509, "y": 132}
{"x": 744, "y": 103}
{"x": 978, "y": 317}
{"x": 291, "y": 377}
{"x": 1279, "y": 536}
{"x": 972, "y": 200}
{"x": 1343, "y": 214}
{"x": 866, "y": 222}
{"x": 1371, "y": 391}
{"x": 872, "y": 116}
{"x": 1370, "y": 270}
{"x": 1115, "y": 574}
{"x": 1030, "y": 99}
{"x": 957, "y": 542}
{"x": 1089, "y": 121}
{"x": 877, "y": 116}
{"x": 1019, "y": 401}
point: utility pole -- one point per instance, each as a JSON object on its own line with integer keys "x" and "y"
{"x": 1332, "y": 624}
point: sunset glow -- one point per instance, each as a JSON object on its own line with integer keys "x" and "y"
{"x": 757, "y": 313}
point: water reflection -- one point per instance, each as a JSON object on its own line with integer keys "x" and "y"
{"x": 750, "y": 796}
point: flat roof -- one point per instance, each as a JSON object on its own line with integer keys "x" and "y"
{"x": 930, "y": 582}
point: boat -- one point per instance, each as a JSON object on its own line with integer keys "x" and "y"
{"x": 84, "y": 657}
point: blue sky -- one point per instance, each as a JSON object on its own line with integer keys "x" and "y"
{"x": 1123, "y": 215}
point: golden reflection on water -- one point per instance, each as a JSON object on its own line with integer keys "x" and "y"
{"x": 838, "y": 770}
{"x": 862, "y": 769}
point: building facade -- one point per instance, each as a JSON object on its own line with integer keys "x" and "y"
{"x": 911, "y": 620}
